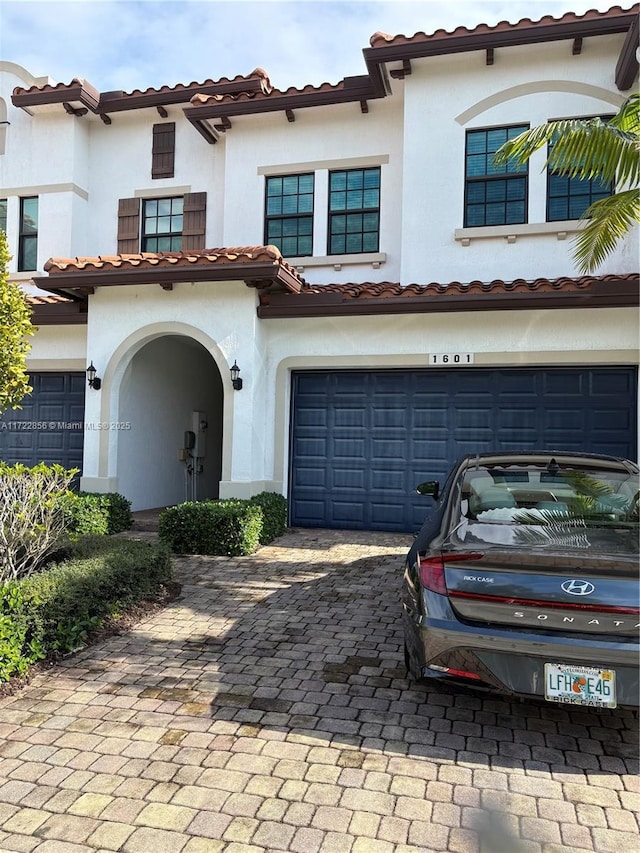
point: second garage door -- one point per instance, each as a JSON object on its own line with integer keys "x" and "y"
{"x": 50, "y": 425}
{"x": 361, "y": 441}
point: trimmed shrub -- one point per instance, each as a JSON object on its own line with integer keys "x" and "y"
{"x": 95, "y": 512}
{"x": 229, "y": 527}
{"x": 118, "y": 512}
{"x": 274, "y": 510}
{"x": 83, "y": 514}
{"x": 52, "y": 612}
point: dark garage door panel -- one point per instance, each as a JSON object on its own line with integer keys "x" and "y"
{"x": 361, "y": 441}
{"x": 57, "y": 401}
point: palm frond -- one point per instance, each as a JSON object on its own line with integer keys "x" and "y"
{"x": 579, "y": 149}
{"x": 608, "y": 220}
{"x": 585, "y": 148}
{"x": 628, "y": 116}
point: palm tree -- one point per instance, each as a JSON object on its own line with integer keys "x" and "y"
{"x": 592, "y": 148}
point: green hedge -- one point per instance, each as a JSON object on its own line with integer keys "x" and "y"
{"x": 229, "y": 527}
{"x": 87, "y": 512}
{"x": 52, "y": 612}
{"x": 274, "y": 511}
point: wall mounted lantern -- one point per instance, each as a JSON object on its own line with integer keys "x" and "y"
{"x": 235, "y": 377}
{"x": 94, "y": 381}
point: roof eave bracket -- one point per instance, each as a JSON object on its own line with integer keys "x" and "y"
{"x": 627, "y": 67}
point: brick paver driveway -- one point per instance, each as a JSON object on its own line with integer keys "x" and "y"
{"x": 267, "y": 709}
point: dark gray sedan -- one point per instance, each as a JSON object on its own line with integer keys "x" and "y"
{"x": 524, "y": 579}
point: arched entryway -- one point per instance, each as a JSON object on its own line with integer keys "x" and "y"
{"x": 171, "y": 386}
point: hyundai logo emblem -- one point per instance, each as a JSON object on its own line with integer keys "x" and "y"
{"x": 578, "y": 587}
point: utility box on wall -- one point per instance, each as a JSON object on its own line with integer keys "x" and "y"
{"x": 199, "y": 427}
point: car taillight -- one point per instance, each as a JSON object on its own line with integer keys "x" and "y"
{"x": 432, "y": 570}
{"x": 459, "y": 673}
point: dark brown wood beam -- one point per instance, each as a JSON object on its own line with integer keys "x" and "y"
{"x": 401, "y": 73}
{"x": 60, "y": 314}
{"x": 627, "y": 67}
{"x": 489, "y": 57}
{"x": 105, "y": 118}
{"x": 162, "y": 111}
{"x": 74, "y": 111}
{"x": 364, "y": 107}
{"x": 354, "y": 89}
{"x": 542, "y": 31}
{"x": 80, "y": 283}
{"x": 291, "y": 116}
{"x": 205, "y": 131}
{"x": 576, "y": 49}
{"x": 332, "y": 304}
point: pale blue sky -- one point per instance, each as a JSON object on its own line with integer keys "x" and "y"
{"x": 130, "y": 44}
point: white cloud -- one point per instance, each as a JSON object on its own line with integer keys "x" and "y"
{"x": 127, "y": 44}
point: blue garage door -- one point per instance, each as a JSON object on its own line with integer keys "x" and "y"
{"x": 50, "y": 425}
{"x": 362, "y": 441}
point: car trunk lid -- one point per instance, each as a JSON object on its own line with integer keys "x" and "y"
{"x": 589, "y": 588}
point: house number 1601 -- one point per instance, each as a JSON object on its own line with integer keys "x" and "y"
{"x": 451, "y": 359}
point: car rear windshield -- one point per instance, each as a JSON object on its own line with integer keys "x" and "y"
{"x": 521, "y": 494}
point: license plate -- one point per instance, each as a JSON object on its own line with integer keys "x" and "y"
{"x": 580, "y": 685}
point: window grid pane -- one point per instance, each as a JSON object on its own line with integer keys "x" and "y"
{"x": 494, "y": 195}
{"x": 162, "y": 224}
{"x": 28, "y": 235}
{"x": 569, "y": 198}
{"x": 354, "y": 211}
{"x": 3, "y": 214}
{"x": 288, "y": 197}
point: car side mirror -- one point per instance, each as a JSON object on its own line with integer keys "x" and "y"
{"x": 431, "y": 488}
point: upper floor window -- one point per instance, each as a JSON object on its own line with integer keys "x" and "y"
{"x": 28, "y": 235}
{"x": 568, "y": 198}
{"x": 171, "y": 224}
{"x": 3, "y": 215}
{"x": 494, "y": 195}
{"x": 162, "y": 224}
{"x": 354, "y": 211}
{"x": 289, "y": 214}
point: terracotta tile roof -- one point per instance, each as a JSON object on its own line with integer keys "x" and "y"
{"x": 104, "y": 102}
{"x": 57, "y": 310}
{"x": 227, "y": 105}
{"x": 146, "y": 260}
{"x": 394, "y": 298}
{"x": 381, "y": 39}
{"x": 258, "y": 266}
{"x": 54, "y": 299}
{"x": 274, "y": 94}
{"x": 387, "y": 289}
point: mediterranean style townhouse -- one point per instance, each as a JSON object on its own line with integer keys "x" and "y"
{"x": 328, "y": 292}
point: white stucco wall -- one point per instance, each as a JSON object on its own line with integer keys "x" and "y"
{"x": 495, "y": 338}
{"x": 81, "y": 167}
{"x": 447, "y": 95}
{"x": 320, "y": 139}
{"x": 121, "y": 168}
{"x": 255, "y": 420}
{"x": 219, "y": 315}
{"x": 45, "y": 156}
{"x": 58, "y": 348}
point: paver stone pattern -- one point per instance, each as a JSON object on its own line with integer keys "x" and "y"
{"x": 267, "y": 709}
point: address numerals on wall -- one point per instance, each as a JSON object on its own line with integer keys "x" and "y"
{"x": 450, "y": 359}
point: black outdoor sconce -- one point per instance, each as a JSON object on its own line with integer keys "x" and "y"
{"x": 235, "y": 377}
{"x": 94, "y": 381}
